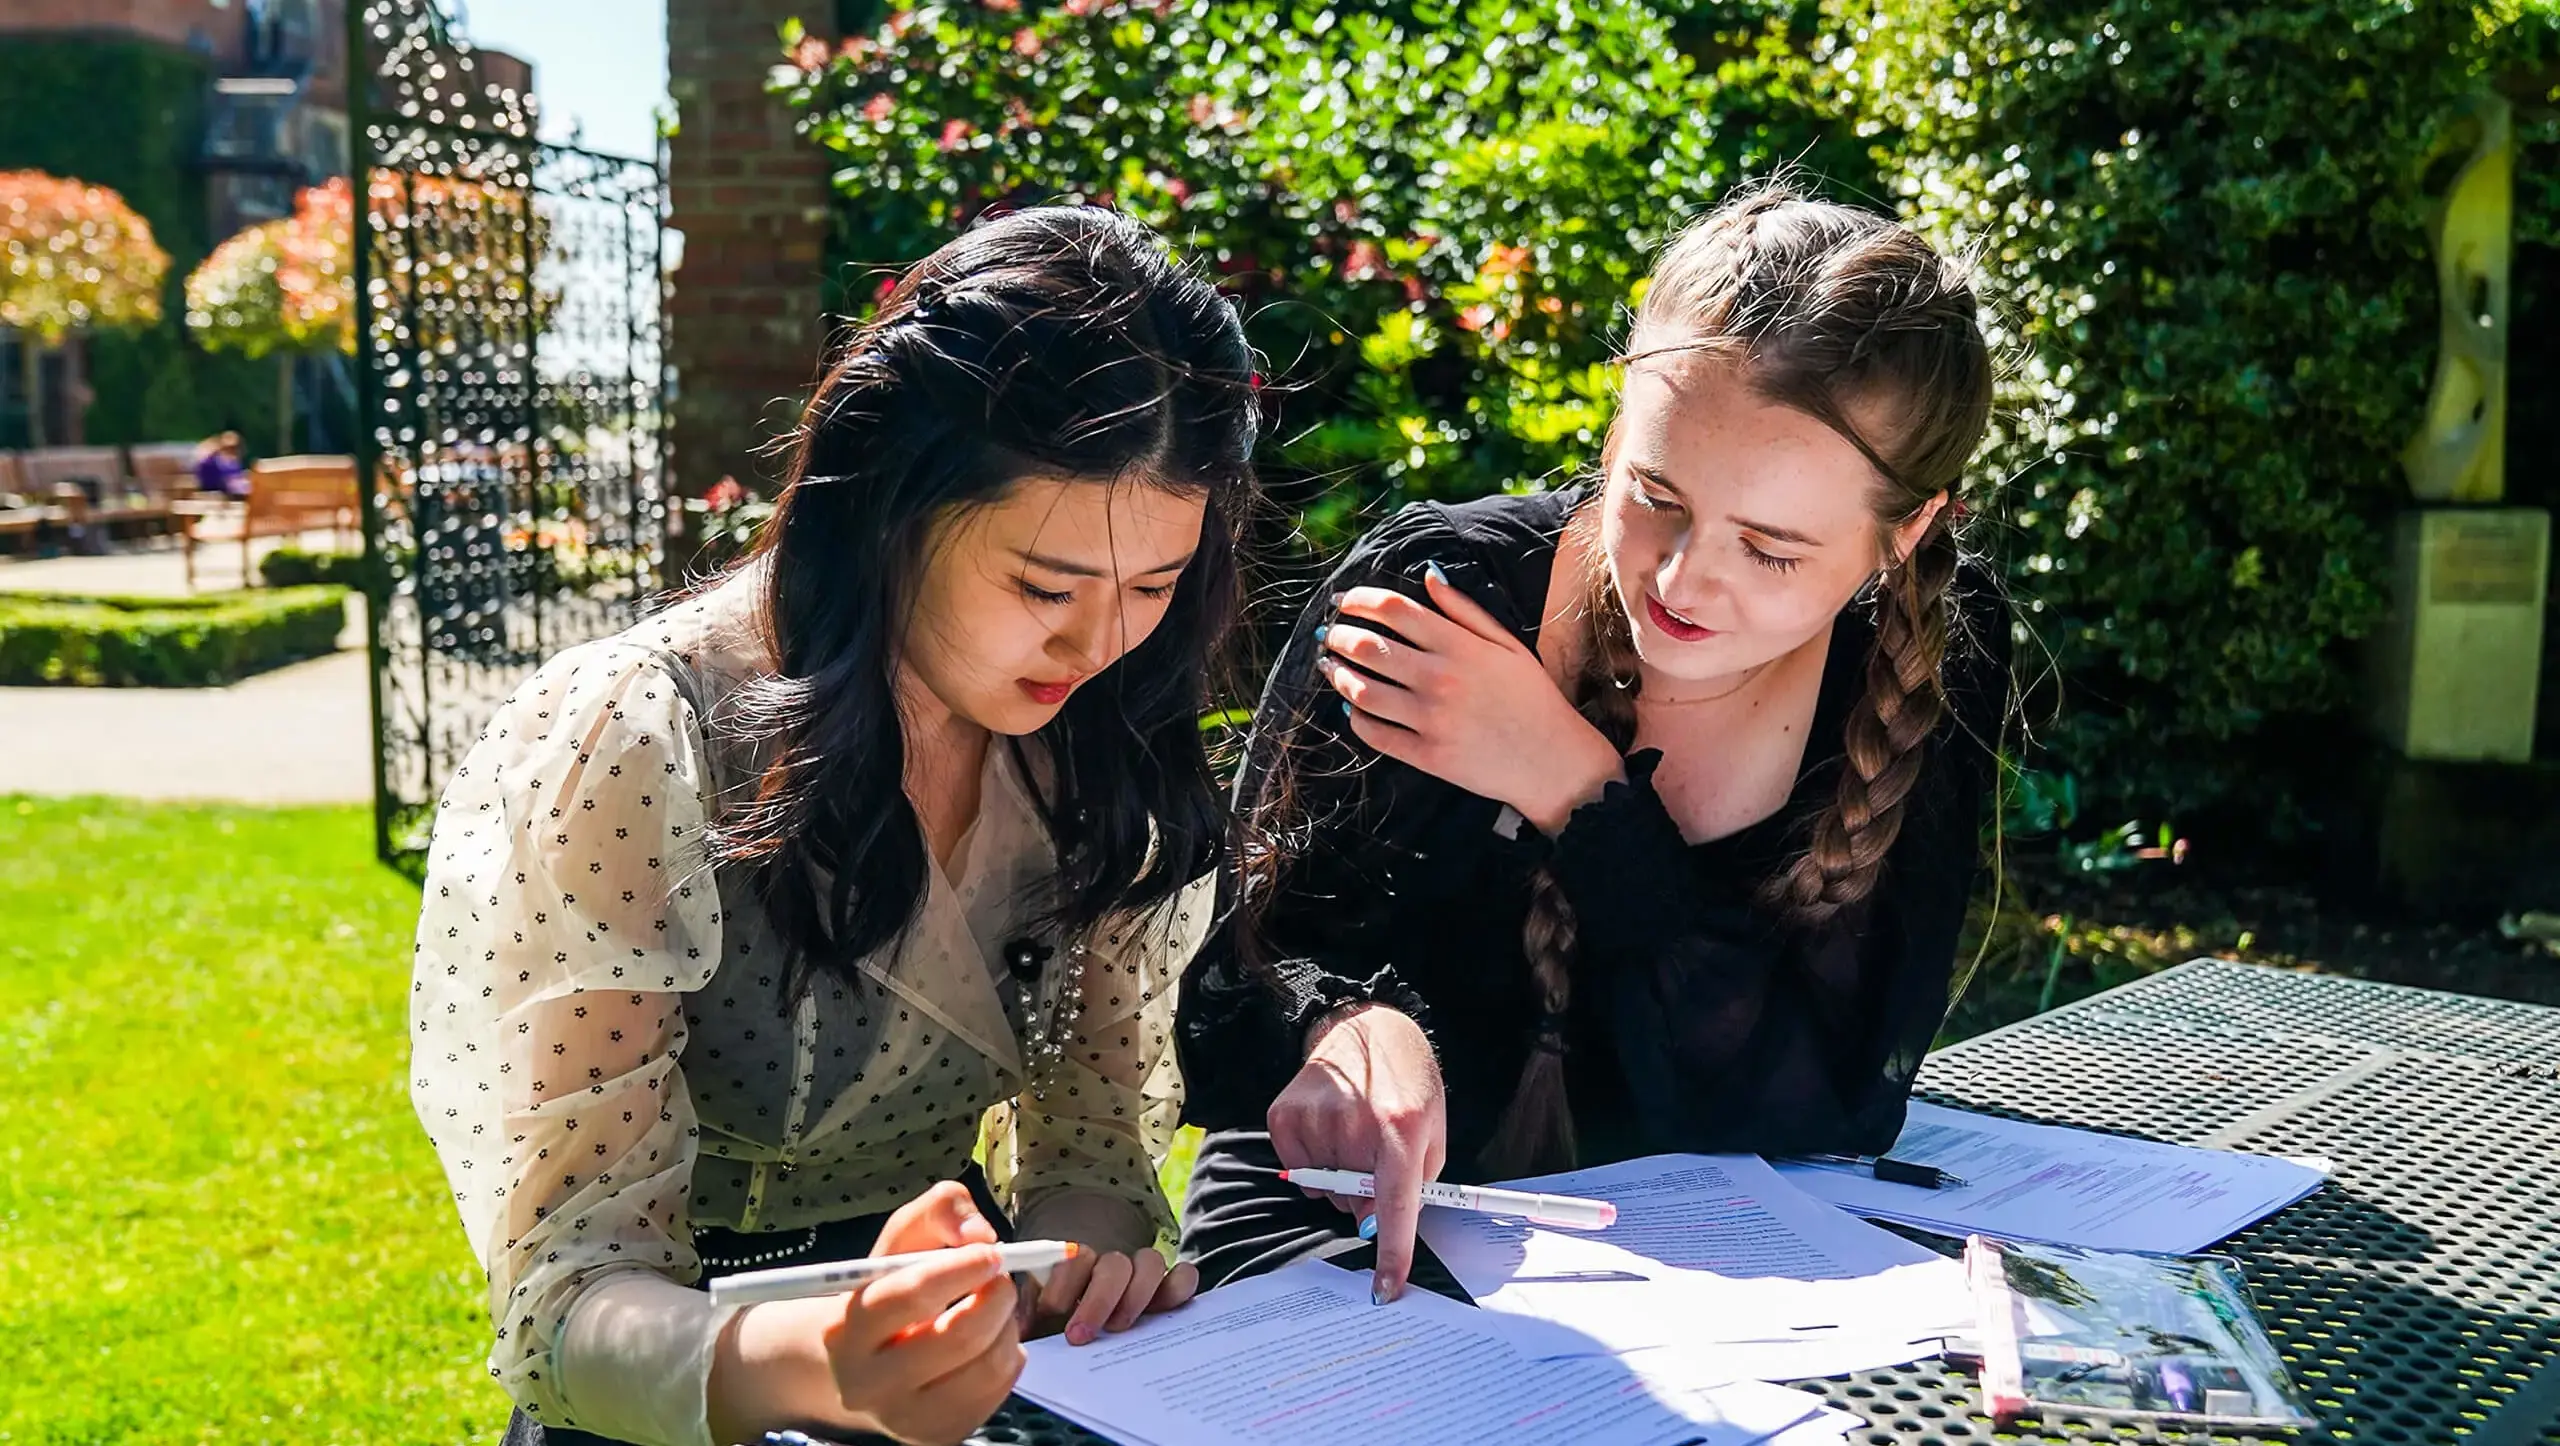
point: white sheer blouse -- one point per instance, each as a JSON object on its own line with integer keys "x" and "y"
{"x": 605, "y": 1058}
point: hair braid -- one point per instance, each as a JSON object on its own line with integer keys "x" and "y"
{"x": 1904, "y": 703}
{"x": 1536, "y": 1134}
{"x": 1857, "y": 322}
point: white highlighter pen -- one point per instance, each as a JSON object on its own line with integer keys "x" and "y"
{"x": 1565, "y": 1212}
{"x": 1035, "y": 1258}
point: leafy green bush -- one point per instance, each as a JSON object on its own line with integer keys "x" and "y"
{"x": 157, "y": 642}
{"x": 2202, "y": 228}
{"x": 2207, "y": 226}
{"x": 296, "y": 567}
{"x": 1434, "y": 236}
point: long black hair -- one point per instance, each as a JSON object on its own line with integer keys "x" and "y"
{"x": 1057, "y": 341}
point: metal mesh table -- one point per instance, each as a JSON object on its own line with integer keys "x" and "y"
{"x": 2417, "y": 1298}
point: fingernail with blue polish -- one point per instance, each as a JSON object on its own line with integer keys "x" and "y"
{"x": 1346, "y": 707}
{"x": 1321, "y": 630}
{"x": 1369, "y": 1228}
{"x": 1377, "y": 1291}
{"x": 1436, "y": 575}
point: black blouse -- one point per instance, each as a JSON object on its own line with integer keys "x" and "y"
{"x": 1700, "y": 1022}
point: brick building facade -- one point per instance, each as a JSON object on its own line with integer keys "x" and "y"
{"x": 751, "y": 198}
{"x": 206, "y": 116}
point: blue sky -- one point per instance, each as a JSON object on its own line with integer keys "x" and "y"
{"x": 598, "y": 65}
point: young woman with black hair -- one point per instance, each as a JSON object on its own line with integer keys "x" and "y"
{"x": 744, "y": 926}
{"x": 1635, "y": 817}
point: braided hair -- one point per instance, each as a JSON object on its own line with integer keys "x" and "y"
{"x": 1822, "y": 307}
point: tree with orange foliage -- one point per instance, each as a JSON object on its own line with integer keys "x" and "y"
{"x": 73, "y": 257}
{"x": 283, "y": 288}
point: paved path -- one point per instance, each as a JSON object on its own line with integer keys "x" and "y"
{"x": 301, "y": 734}
{"x": 148, "y": 571}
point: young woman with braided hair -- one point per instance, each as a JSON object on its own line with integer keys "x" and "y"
{"x": 1639, "y": 816}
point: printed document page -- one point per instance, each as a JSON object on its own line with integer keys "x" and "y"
{"x": 2065, "y": 1186}
{"x": 1718, "y": 1256}
{"x": 1301, "y": 1355}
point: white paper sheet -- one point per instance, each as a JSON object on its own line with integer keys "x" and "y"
{"x": 2066, "y": 1186}
{"x": 1824, "y": 1428}
{"x": 1800, "y": 1358}
{"x": 1301, "y": 1355}
{"x": 1717, "y": 1256}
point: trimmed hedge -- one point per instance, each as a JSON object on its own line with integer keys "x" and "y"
{"x": 159, "y": 642}
{"x": 295, "y": 567}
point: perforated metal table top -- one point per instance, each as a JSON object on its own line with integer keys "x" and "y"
{"x": 2416, "y": 1298}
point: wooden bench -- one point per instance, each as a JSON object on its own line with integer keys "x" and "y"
{"x": 21, "y": 515}
{"x": 288, "y": 496}
{"x": 114, "y": 502}
{"x": 165, "y": 471}
{"x": 33, "y": 518}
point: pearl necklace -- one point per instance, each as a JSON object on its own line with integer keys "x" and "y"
{"x": 764, "y": 1257}
{"x": 1049, "y": 1003}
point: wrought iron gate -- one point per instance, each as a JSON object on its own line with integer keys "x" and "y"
{"x": 510, "y": 382}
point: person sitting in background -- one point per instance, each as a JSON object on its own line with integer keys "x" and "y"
{"x": 218, "y": 468}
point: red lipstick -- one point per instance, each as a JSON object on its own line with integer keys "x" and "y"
{"x": 1048, "y": 695}
{"x": 1672, "y": 625}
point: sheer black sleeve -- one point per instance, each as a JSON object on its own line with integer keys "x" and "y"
{"x": 1737, "y": 1032}
{"x": 1348, "y": 823}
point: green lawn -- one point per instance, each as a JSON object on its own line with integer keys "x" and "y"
{"x": 218, "y": 1219}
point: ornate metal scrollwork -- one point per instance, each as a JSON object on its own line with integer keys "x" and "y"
{"x": 511, "y": 383}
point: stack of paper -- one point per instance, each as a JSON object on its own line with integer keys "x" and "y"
{"x": 1717, "y": 1269}
{"x": 2065, "y": 1186}
{"x": 1302, "y": 1356}
{"x": 1720, "y": 1274}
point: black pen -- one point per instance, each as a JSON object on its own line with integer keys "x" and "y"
{"x": 1888, "y": 1169}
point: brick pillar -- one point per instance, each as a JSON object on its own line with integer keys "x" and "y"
{"x": 751, "y": 199}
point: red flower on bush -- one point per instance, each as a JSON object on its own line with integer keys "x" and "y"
{"x": 1005, "y": 7}
{"x": 726, "y": 493}
{"x": 878, "y": 108}
{"x": 1026, "y": 41}
{"x": 1081, "y": 8}
{"x": 1366, "y": 262}
{"x": 810, "y": 53}
{"x": 1504, "y": 261}
{"x": 954, "y": 132}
